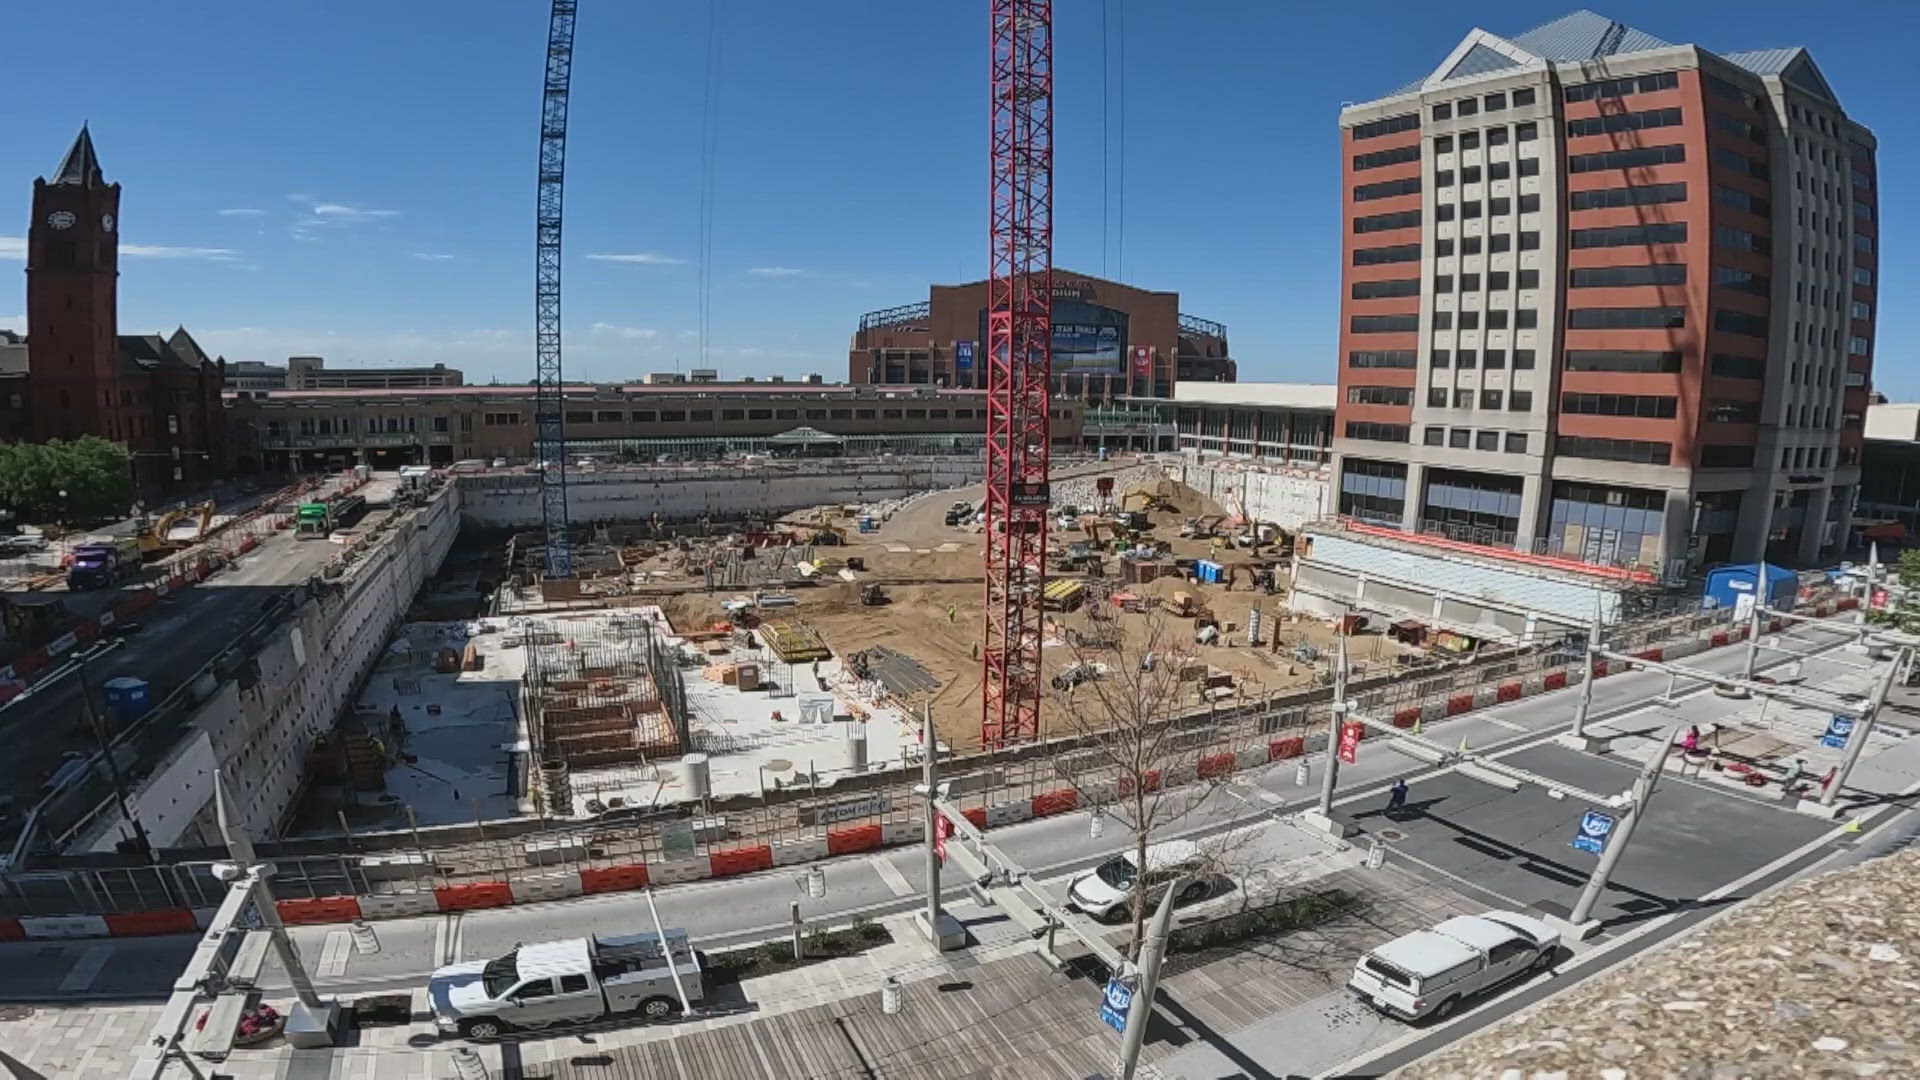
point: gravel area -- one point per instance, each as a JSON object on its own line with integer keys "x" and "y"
{"x": 1821, "y": 979}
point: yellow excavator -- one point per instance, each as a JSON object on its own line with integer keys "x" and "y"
{"x": 156, "y": 540}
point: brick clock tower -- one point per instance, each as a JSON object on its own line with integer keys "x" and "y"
{"x": 73, "y": 245}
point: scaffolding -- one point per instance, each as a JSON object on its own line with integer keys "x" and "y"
{"x": 605, "y": 694}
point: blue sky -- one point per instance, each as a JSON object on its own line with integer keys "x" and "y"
{"x": 355, "y": 179}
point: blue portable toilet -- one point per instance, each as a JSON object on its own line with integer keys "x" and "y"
{"x": 126, "y": 698}
{"x": 1776, "y": 584}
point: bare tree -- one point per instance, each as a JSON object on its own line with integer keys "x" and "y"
{"x": 1138, "y": 711}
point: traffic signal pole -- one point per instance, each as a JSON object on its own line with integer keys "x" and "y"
{"x": 1857, "y": 740}
{"x": 1336, "y": 716}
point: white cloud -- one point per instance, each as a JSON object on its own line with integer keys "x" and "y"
{"x": 339, "y": 212}
{"x": 644, "y": 258}
{"x": 778, "y": 271}
{"x": 431, "y": 256}
{"x": 242, "y": 211}
{"x": 628, "y": 333}
{"x": 15, "y": 247}
{"x": 152, "y": 251}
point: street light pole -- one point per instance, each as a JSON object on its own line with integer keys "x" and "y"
{"x": 98, "y": 726}
{"x": 1152, "y": 951}
{"x": 1336, "y": 715}
{"x": 1586, "y": 676}
{"x": 929, "y": 777}
{"x": 1864, "y": 727}
{"x": 1642, "y": 792}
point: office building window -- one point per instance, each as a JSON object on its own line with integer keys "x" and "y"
{"x": 1405, "y": 219}
{"x": 1644, "y": 406}
{"x": 1612, "y": 277}
{"x": 1523, "y": 359}
{"x": 1397, "y": 253}
{"x": 1435, "y": 436}
{"x": 1739, "y": 322}
{"x": 1523, "y": 96}
{"x": 1642, "y": 195}
{"x": 1373, "y": 490}
{"x": 1436, "y": 399}
{"x": 1391, "y": 358}
{"x": 1651, "y": 318}
{"x": 1486, "y": 440}
{"x": 1440, "y": 358}
{"x": 1392, "y": 125}
{"x": 1631, "y": 158}
{"x": 1662, "y": 232}
{"x": 1460, "y": 438}
{"x": 1629, "y": 450}
{"x": 1628, "y": 121}
{"x": 1463, "y": 399}
{"x": 1386, "y": 189}
{"x": 1490, "y": 399}
{"x": 1520, "y": 401}
{"x": 1612, "y": 88}
{"x": 1516, "y": 442}
{"x": 1379, "y": 395}
{"x": 1626, "y": 360}
{"x": 1358, "y": 429}
{"x": 1399, "y": 155}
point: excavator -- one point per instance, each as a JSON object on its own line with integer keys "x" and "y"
{"x": 157, "y": 540}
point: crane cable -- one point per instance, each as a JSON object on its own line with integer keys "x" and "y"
{"x": 709, "y": 143}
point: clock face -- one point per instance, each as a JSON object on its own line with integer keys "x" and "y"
{"x": 61, "y": 219}
{"x": 106, "y": 222}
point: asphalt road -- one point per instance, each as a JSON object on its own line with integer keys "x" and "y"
{"x": 178, "y": 637}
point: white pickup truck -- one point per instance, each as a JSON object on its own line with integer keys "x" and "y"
{"x": 1429, "y": 972}
{"x": 568, "y": 982}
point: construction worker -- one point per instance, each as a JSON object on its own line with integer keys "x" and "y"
{"x": 951, "y": 611}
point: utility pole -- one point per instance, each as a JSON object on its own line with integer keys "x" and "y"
{"x": 1152, "y": 951}
{"x": 1864, "y": 727}
{"x": 1336, "y": 716}
{"x": 1642, "y": 791}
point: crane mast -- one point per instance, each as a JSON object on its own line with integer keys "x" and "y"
{"x": 1019, "y": 357}
{"x": 549, "y": 390}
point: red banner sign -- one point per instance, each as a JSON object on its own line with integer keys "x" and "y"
{"x": 1350, "y": 735}
{"x": 1142, "y": 362}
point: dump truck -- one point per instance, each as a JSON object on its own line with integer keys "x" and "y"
{"x": 570, "y": 981}
{"x": 317, "y": 519}
{"x": 1063, "y": 594}
{"x": 100, "y": 563}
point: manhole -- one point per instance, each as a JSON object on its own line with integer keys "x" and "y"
{"x": 1390, "y": 835}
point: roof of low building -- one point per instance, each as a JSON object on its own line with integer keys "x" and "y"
{"x": 1312, "y": 396}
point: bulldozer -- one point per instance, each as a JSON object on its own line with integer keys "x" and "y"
{"x": 1144, "y": 501}
{"x": 874, "y": 596}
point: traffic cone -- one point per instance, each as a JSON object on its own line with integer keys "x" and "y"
{"x": 1463, "y": 744}
{"x": 1416, "y": 726}
{"x": 1851, "y": 826}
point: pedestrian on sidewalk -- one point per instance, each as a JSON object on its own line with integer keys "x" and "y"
{"x": 1397, "y": 797}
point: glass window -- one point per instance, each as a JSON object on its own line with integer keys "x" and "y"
{"x": 1469, "y": 282}
{"x": 1469, "y": 245}
{"x": 1630, "y": 158}
{"x": 1443, "y": 144}
{"x": 1497, "y": 136}
{"x": 1469, "y": 320}
{"x": 1443, "y": 283}
{"x": 1436, "y": 436}
{"x": 1499, "y": 242}
{"x": 1469, "y": 140}
{"x": 1470, "y": 174}
{"x": 1487, "y": 440}
{"x": 1497, "y": 319}
{"x": 1529, "y": 241}
{"x": 1490, "y": 399}
{"x": 1523, "y": 96}
{"x": 1499, "y": 170}
{"x": 1526, "y": 319}
{"x": 1529, "y": 203}
{"x": 1440, "y": 358}
{"x": 1496, "y": 358}
{"x": 1494, "y": 102}
{"x": 1467, "y": 359}
{"x": 1526, "y": 132}
{"x": 1466, "y": 106}
{"x": 1443, "y": 320}
{"x": 1459, "y": 438}
{"x": 1443, "y": 111}
{"x": 1463, "y": 399}
{"x": 1637, "y": 195}
{"x": 1522, "y": 361}
{"x": 1516, "y": 442}
{"x": 1443, "y": 246}
{"x": 1443, "y": 212}
{"x": 1520, "y": 401}
{"x": 1498, "y": 280}
{"x": 1647, "y": 318}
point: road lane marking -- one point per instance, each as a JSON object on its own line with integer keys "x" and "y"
{"x": 891, "y": 874}
{"x": 442, "y": 940}
{"x": 86, "y": 969}
{"x": 1508, "y": 724}
{"x": 333, "y": 954}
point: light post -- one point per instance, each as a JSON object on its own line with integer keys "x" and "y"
{"x": 1857, "y": 739}
{"x": 1152, "y": 951}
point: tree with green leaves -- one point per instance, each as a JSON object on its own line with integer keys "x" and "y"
{"x": 95, "y": 475}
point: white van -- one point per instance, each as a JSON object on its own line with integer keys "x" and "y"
{"x": 1428, "y": 972}
{"x": 1106, "y": 892}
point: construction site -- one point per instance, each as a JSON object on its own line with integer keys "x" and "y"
{"x": 704, "y": 659}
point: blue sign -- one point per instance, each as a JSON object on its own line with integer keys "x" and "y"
{"x": 963, "y": 356}
{"x": 1595, "y": 827}
{"x": 1839, "y": 729}
{"x": 1113, "y": 1007}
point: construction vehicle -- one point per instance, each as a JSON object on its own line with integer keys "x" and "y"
{"x": 316, "y": 520}
{"x": 825, "y": 532}
{"x": 101, "y": 563}
{"x": 1181, "y": 603}
{"x": 1079, "y": 556}
{"x": 160, "y": 538}
{"x": 1146, "y": 500}
{"x": 1203, "y": 526}
{"x": 874, "y": 596}
{"x": 959, "y": 512}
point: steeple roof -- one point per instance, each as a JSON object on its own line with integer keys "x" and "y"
{"x": 81, "y": 166}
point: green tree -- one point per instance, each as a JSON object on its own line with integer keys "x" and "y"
{"x": 95, "y": 474}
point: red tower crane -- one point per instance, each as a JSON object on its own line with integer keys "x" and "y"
{"x": 1019, "y": 356}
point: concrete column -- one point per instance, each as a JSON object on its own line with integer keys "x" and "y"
{"x": 1756, "y": 518}
{"x": 1416, "y": 496}
{"x": 1533, "y": 502}
{"x": 1813, "y": 526}
{"x": 1677, "y": 534}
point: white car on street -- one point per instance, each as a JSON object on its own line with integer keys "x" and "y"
{"x": 1106, "y": 892}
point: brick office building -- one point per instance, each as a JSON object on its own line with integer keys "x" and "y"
{"x": 1109, "y": 340}
{"x": 1610, "y": 298}
{"x": 158, "y": 396}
